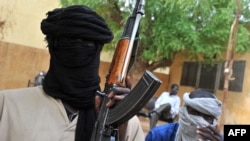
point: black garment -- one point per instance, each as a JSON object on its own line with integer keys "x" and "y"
{"x": 76, "y": 22}
{"x": 75, "y": 37}
{"x": 71, "y": 112}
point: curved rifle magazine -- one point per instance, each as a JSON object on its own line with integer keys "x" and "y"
{"x": 135, "y": 100}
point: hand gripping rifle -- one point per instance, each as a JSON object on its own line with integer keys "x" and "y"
{"x": 108, "y": 120}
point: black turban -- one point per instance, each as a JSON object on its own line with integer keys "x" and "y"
{"x": 76, "y": 22}
{"x": 75, "y": 37}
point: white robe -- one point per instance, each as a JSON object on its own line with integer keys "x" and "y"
{"x": 173, "y": 100}
{"x": 28, "y": 114}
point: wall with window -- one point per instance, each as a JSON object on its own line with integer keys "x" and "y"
{"x": 191, "y": 75}
{"x": 211, "y": 77}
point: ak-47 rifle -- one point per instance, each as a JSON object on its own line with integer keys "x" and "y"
{"x": 108, "y": 120}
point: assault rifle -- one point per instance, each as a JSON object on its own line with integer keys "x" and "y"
{"x": 108, "y": 120}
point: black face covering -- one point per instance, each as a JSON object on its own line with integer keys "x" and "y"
{"x": 75, "y": 37}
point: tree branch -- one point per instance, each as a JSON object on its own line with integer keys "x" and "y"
{"x": 117, "y": 15}
{"x": 159, "y": 64}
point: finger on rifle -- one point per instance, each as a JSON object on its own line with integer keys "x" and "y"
{"x": 118, "y": 91}
{"x": 119, "y": 97}
{"x": 110, "y": 103}
{"x": 97, "y": 102}
{"x": 129, "y": 82}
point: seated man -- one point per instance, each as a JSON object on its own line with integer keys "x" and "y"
{"x": 197, "y": 120}
{"x": 166, "y": 106}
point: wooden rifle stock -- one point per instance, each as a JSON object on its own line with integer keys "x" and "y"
{"x": 117, "y": 67}
{"x": 126, "y": 46}
{"x": 108, "y": 120}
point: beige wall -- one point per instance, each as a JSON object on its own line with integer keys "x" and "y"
{"x": 23, "y": 19}
{"x": 19, "y": 64}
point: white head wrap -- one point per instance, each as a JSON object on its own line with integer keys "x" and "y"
{"x": 188, "y": 122}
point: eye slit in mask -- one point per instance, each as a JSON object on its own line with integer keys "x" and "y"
{"x": 208, "y": 118}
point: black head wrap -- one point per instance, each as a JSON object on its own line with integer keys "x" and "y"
{"x": 75, "y": 37}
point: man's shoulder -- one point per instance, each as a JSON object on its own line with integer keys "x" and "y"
{"x": 21, "y": 92}
{"x": 14, "y": 90}
{"x": 166, "y": 127}
{"x": 177, "y": 96}
{"x": 24, "y": 97}
{"x": 164, "y": 93}
{"x": 163, "y": 132}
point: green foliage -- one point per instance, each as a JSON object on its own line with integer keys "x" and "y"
{"x": 198, "y": 28}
